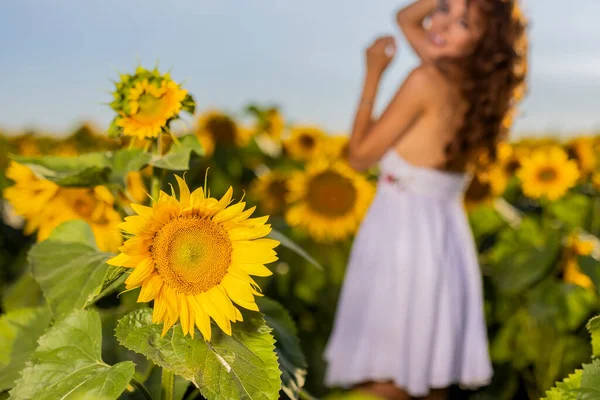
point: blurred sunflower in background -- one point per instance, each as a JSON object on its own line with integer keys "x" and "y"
{"x": 572, "y": 272}
{"x": 44, "y": 205}
{"x": 328, "y": 200}
{"x": 271, "y": 190}
{"x": 271, "y": 123}
{"x": 216, "y": 128}
{"x": 194, "y": 257}
{"x": 581, "y": 150}
{"x": 145, "y": 103}
{"x": 548, "y": 173}
{"x": 503, "y": 169}
{"x": 336, "y": 147}
{"x": 305, "y": 143}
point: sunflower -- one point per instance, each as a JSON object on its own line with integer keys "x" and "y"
{"x": 305, "y": 143}
{"x": 336, "y": 147}
{"x": 45, "y": 205}
{"x": 271, "y": 190}
{"x": 548, "y": 173}
{"x": 272, "y": 124}
{"x": 329, "y": 200}
{"x": 193, "y": 256}
{"x": 582, "y": 151}
{"x": 572, "y": 272}
{"x": 146, "y": 102}
{"x": 135, "y": 186}
{"x": 499, "y": 174}
{"x": 216, "y": 128}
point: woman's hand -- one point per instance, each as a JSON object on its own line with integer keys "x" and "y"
{"x": 380, "y": 54}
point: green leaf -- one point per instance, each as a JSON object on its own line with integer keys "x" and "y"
{"x": 291, "y": 359}
{"x": 85, "y": 170}
{"x": 522, "y": 257}
{"x": 178, "y": 157}
{"x": 113, "y": 277}
{"x": 590, "y": 382}
{"x": 19, "y": 332}
{"x": 567, "y": 389}
{"x": 485, "y": 220}
{"x": 241, "y": 366}
{"x": 127, "y": 160}
{"x": 573, "y": 209}
{"x": 593, "y": 327}
{"x": 288, "y": 243}
{"x": 69, "y": 267}
{"x": 25, "y": 292}
{"x": 68, "y": 364}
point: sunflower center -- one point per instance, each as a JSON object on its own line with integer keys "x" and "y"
{"x": 192, "y": 254}
{"x": 331, "y": 194}
{"x": 150, "y": 107}
{"x": 278, "y": 190}
{"x": 512, "y": 166}
{"x": 222, "y": 129}
{"x": 307, "y": 141}
{"x": 80, "y": 200}
{"x": 547, "y": 174}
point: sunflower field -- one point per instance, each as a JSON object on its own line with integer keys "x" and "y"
{"x": 167, "y": 260}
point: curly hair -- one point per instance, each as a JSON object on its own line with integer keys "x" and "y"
{"x": 495, "y": 82}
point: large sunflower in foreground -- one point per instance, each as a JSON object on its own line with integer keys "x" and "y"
{"x": 305, "y": 143}
{"x": 216, "y": 128}
{"x": 44, "y": 205}
{"x": 329, "y": 200}
{"x": 145, "y": 102}
{"x": 572, "y": 272}
{"x": 194, "y": 256}
{"x": 271, "y": 190}
{"x": 548, "y": 173}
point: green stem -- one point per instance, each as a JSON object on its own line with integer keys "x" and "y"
{"x": 142, "y": 389}
{"x": 167, "y": 384}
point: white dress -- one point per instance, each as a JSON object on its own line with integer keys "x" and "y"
{"x": 411, "y": 306}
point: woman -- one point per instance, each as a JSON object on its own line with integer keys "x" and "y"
{"x": 410, "y": 318}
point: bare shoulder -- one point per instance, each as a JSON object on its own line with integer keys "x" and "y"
{"x": 424, "y": 81}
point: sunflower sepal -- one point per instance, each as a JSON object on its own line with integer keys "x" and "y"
{"x": 243, "y": 365}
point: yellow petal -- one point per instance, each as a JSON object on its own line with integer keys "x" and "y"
{"x": 184, "y": 315}
{"x": 184, "y": 192}
{"x": 225, "y": 200}
{"x": 229, "y": 213}
{"x": 140, "y": 273}
{"x": 141, "y": 210}
{"x": 215, "y": 313}
{"x": 150, "y": 288}
{"x": 249, "y": 233}
{"x": 197, "y": 198}
{"x": 202, "y": 319}
{"x": 120, "y": 260}
{"x": 237, "y": 290}
{"x": 256, "y": 269}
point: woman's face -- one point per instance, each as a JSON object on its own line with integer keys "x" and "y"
{"x": 455, "y": 29}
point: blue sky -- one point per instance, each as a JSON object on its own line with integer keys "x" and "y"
{"x": 58, "y": 57}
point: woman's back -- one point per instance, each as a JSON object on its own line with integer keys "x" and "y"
{"x": 424, "y": 143}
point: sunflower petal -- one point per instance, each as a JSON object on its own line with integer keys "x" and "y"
{"x": 215, "y": 313}
{"x": 140, "y": 273}
{"x": 184, "y": 192}
{"x": 150, "y": 288}
{"x": 229, "y": 213}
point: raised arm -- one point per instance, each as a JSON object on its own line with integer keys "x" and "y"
{"x": 411, "y": 18}
{"x": 371, "y": 139}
